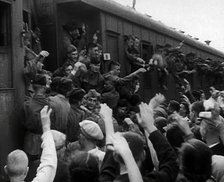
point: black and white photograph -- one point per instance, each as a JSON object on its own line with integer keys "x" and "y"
{"x": 111, "y": 91}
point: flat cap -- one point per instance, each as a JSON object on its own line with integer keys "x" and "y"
{"x": 91, "y": 130}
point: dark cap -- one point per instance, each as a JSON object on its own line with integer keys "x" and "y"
{"x": 76, "y": 95}
{"x": 39, "y": 80}
{"x": 71, "y": 48}
{"x": 64, "y": 85}
{"x": 93, "y": 93}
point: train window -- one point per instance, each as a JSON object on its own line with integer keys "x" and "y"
{"x": 146, "y": 50}
{"x": 112, "y": 45}
{"x": 146, "y": 54}
{"x": 4, "y": 24}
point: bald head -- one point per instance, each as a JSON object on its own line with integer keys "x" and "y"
{"x": 17, "y": 163}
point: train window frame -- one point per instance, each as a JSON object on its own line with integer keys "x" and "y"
{"x": 5, "y": 24}
{"x": 145, "y": 43}
{"x": 115, "y": 35}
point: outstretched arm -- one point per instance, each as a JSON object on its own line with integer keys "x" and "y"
{"x": 109, "y": 168}
{"x": 121, "y": 147}
{"x": 167, "y": 158}
{"x": 47, "y": 168}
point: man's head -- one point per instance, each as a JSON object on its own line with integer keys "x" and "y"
{"x": 48, "y": 79}
{"x": 64, "y": 86}
{"x": 73, "y": 29}
{"x": 67, "y": 68}
{"x": 40, "y": 65}
{"x": 92, "y": 50}
{"x": 184, "y": 109}
{"x": 115, "y": 68}
{"x": 27, "y": 39}
{"x": 39, "y": 83}
{"x": 84, "y": 167}
{"x": 195, "y": 109}
{"x": 76, "y": 95}
{"x": 195, "y": 160}
{"x": 136, "y": 146}
{"x": 136, "y": 42}
{"x": 72, "y": 53}
{"x": 92, "y": 99}
{"x": 122, "y": 109}
{"x": 130, "y": 40}
{"x": 55, "y": 84}
{"x": 90, "y": 132}
{"x": 17, "y": 165}
{"x": 173, "y": 106}
{"x": 108, "y": 85}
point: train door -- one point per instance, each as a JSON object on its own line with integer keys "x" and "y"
{"x": 10, "y": 56}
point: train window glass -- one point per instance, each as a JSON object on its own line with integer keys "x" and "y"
{"x": 26, "y": 18}
{"x": 4, "y": 24}
{"x": 146, "y": 51}
{"x": 146, "y": 54}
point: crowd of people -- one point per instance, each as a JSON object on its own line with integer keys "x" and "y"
{"x": 85, "y": 123}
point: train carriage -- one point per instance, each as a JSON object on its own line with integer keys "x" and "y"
{"x": 114, "y": 22}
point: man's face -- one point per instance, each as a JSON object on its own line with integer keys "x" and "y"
{"x": 130, "y": 42}
{"x": 122, "y": 111}
{"x": 27, "y": 42}
{"x": 116, "y": 70}
{"x": 137, "y": 86}
{"x": 91, "y": 103}
{"x": 136, "y": 43}
{"x": 94, "y": 52}
{"x": 39, "y": 65}
{"x": 68, "y": 70}
{"x": 169, "y": 109}
{"x": 73, "y": 56}
{"x": 202, "y": 97}
{"x": 182, "y": 109}
{"x": 193, "y": 116}
{"x": 95, "y": 67}
{"x": 48, "y": 81}
{"x": 75, "y": 33}
{"x": 108, "y": 86}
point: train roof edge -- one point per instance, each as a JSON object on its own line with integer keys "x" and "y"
{"x": 143, "y": 20}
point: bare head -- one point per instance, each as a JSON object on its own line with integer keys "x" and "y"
{"x": 17, "y": 164}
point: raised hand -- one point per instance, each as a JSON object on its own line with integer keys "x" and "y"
{"x": 145, "y": 118}
{"x": 105, "y": 111}
{"x": 128, "y": 121}
{"x": 141, "y": 70}
{"x": 157, "y": 100}
{"x": 106, "y": 114}
{"x": 120, "y": 145}
{"x": 44, "y": 53}
{"x": 184, "y": 98}
{"x": 45, "y": 118}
